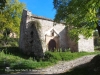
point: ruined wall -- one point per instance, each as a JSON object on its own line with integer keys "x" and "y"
{"x": 82, "y": 45}
{"x": 85, "y": 44}
{"x": 28, "y": 41}
{"x": 33, "y": 41}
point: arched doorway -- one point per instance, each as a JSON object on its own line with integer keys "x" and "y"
{"x": 52, "y": 45}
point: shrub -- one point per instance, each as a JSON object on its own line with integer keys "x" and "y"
{"x": 52, "y": 56}
{"x": 9, "y": 42}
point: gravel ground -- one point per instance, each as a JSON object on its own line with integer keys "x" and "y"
{"x": 62, "y": 66}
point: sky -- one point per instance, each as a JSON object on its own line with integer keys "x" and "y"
{"x": 42, "y": 8}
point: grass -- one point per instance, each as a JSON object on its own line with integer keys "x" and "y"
{"x": 16, "y": 62}
{"x": 13, "y": 58}
{"x": 66, "y": 56}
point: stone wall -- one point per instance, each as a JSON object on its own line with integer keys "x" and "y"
{"x": 85, "y": 44}
{"x": 33, "y": 41}
{"x": 82, "y": 45}
{"x": 40, "y": 40}
{"x": 46, "y": 26}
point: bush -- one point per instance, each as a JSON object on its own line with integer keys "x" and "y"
{"x": 9, "y": 42}
{"x": 52, "y": 56}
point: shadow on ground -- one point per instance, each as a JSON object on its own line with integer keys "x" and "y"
{"x": 14, "y": 51}
{"x": 91, "y": 68}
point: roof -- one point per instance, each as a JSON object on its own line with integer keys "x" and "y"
{"x": 43, "y": 18}
{"x": 48, "y": 32}
{"x": 40, "y": 17}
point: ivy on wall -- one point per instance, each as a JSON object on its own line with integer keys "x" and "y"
{"x": 34, "y": 40}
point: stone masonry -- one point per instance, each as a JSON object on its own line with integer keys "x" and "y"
{"x": 50, "y": 36}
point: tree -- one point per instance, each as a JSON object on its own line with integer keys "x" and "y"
{"x": 2, "y": 4}
{"x": 80, "y": 15}
{"x": 96, "y": 40}
{"x": 10, "y": 18}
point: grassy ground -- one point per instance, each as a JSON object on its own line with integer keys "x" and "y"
{"x": 13, "y": 58}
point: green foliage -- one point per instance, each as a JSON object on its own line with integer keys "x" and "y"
{"x": 81, "y": 15}
{"x": 35, "y": 42}
{"x": 37, "y": 24}
{"x": 96, "y": 39}
{"x": 9, "y": 42}
{"x": 10, "y": 17}
{"x": 2, "y": 4}
{"x": 16, "y": 62}
{"x": 52, "y": 56}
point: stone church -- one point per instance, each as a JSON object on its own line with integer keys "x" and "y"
{"x": 39, "y": 34}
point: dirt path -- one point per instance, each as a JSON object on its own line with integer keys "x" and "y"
{"x": 62, "y": 66}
